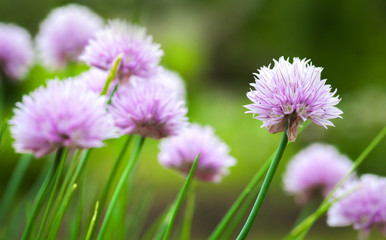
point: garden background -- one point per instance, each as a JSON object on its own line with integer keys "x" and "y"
{"x": 216, "y": 46}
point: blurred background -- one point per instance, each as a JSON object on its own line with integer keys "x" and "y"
{"x": 216, "y": 46}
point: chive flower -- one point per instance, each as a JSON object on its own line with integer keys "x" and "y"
{"x": 314, "y": 172}
{"x": 141, "y": 55}
{"x": 293, "y": 93}
{"x": 362, "y": 205}
{"x": 16, "y": 51}
{"x": 63, "y": 114}
{"x": 148, "y": 109}
{"x": 179, "y": 152}
{"x": 64, "y": 34}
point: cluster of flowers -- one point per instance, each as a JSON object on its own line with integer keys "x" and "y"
{"x": 360, "y": 201}
{"x": 149, "y": 100}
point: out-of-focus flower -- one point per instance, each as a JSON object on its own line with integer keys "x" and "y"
{"x": 16, "y": 52}
{"x": 293, "y": 93}
{"x": 148, "y": 109}
{"x": 169, "y": 79}
{"x": 65, "y": 113}
{"x": 64, "y": 34}
{"x": 363, "y": 204}
{"x": 179, "y": 152}
{"x": 95, "y": 79}
{"x": 315, "y": 171}
{"x": 140, "y": 55}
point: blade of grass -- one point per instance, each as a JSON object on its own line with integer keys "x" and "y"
{"x": 112, "y": 73}
{"x": 92, "y": 223}
{"x": 119, "y": 187}
{"x": 41, "y": 196}
{"x": 13, "y": 185}
{"x": 179, "y": 200}
{"x": 52, "y": 195}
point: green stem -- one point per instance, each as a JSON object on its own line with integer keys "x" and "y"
{"x": 239, "y": 201}
{"x": 264, "y": 188}
{"x": 52, "y": 195}
{"x": 93, "y": 220}
{"x": 220, "y": 228}
{"x": 179, "y": 199}
{"x": 41, "y": 196}
{"x": 119, "y": 188}
{"x": 301, "y": 230}
{"x": 189, "y": 213}
{"x": 112, "y": 73}
{"x": 13, "y": 185}
{"x": 62, "y": 210}
{"x": 112, "y": 93}
{"x": 110, "y": 180}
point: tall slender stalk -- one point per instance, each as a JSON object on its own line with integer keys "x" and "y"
{"x": 173, "y": 214}
{"x": 52, "y": 195}
{"x": 110, "y": 180}
{"x": 41, "y": 195}
{"x": 120, "y": 187}
{"x": 189, "y": 212}
{"x": 264, "y": 188}
{"x": 13, "y": 185}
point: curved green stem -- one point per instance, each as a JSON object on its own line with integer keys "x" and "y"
{"x": 179, "y": 200}
{"x": 119, "y": 188}
{"x": 189, "y": 212}
{"x": 264, "y": 188}
{"x": 93, "y": 220}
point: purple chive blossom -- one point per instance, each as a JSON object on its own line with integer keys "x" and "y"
{"x": 179, "y": 152}
{"x": 64, "y": 34}
{"x": 65, "y": 113}
{"x": 148, "y": 109}
{"x": 315, "y": 171}
{"x": 169, "y": 79}
{"x": 363, "y": 204}
{"x": 95, "y": 79}
{"x": 140, "y": 55}
{"x": 16, "y": 52}
{"x": 293, "y": 93}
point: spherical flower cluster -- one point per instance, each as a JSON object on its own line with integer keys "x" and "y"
{"x": 293, "y": 93}
{"x": 64, "y": 34}
{"x": 363, "y": 204}
{"x": 16, "y": 52}
{"x": 179, "y": 152}
{"x": 148, "y": 109}
{"x": 65, "y": 113}
{"x": 140, "y": 55}
{"x": 95, "y": 79}
{"x": 315, "y": 171}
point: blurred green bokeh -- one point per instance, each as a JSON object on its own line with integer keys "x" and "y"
{"x": 216, "y": 46}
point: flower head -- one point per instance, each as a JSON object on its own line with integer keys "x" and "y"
{"x": 140, "y": 55}
{"x": 16, "y": 52}
{"x": 64, "y": 34}
{"x": 95, "y": 79}
{"x": 148, "y": 109}
{"x": 65, "y": 113}
{"x": 363, "y": 204}
{"x": 293, "y": 93}
{"x": 179, "y": 152}
{"x": 315, "y": 170}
